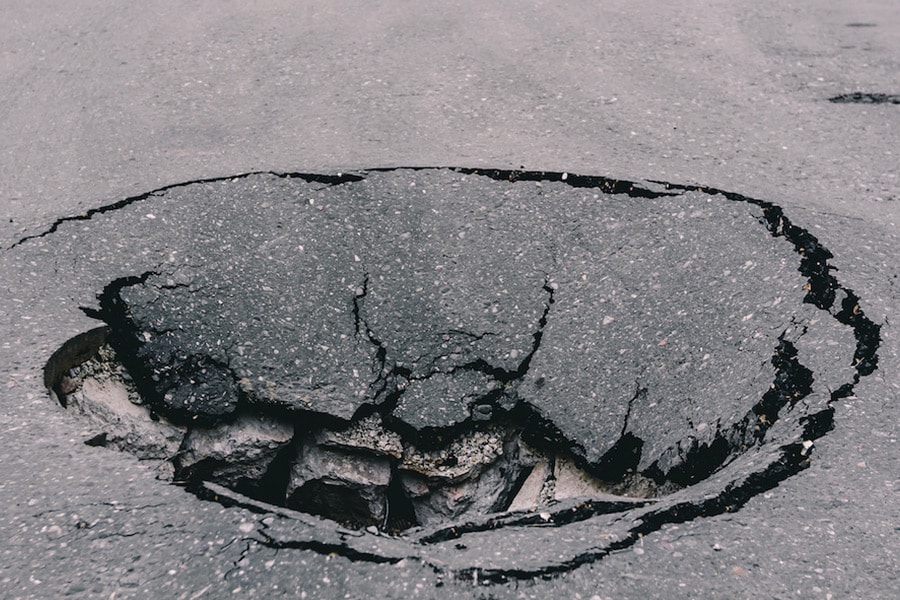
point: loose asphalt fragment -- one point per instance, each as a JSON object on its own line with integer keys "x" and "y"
{"x": 405, "y": 354}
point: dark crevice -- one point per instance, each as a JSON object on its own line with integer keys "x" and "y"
{"x": 333, "y": 501}
{"x": 557, "y": 518}
{"x": 384, "y": 379}
{"x": 639, "y": 394}
{"x": 400, "y": 514}
{"x": 272, "y": 486}
{"x": 539, "y": 333}
{"x": 540, "y": 432}
{"x": 330, "y": 180}
{"x": 97, "y": 441}
{"x": 327, "y": 549}
{"x": 358, "y": 325}
{"x": 793, "y": 382}
{"x": 817, "y": 424}
{"x": 621, "y": 459}
{"x": 604, "y": 184}
{"x": 822, "y": 286}
{"x": 867, "y": 334}
{"x": 865, "y": 98}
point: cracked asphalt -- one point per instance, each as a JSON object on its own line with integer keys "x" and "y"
{"x": 101, "y": 105}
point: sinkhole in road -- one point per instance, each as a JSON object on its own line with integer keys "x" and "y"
{"x": 448, "y": 359}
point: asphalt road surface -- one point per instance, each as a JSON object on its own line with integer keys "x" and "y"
{"x": 101, "y": 105}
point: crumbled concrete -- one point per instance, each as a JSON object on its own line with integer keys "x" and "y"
{"x": 234, "y": 453}
{"x": 473, "y": 475}
{"x": 572, "y": 482}
{"x": 367, "y": 434}
{"x": 529, "y": 495}
{"x": 104, "y": 394}
{"x": 464, "y": 457}
{"x": 473, "y": 496}
{"x": 346, "y": 486}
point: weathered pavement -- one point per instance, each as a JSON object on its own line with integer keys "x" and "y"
{"x": 90, "y": 521}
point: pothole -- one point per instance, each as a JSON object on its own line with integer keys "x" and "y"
{"x": 865, "y": 98}
{"x": 438, "y": 361}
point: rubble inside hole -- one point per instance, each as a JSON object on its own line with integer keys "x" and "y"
{"x": 474, "y": 473}
{"x": 236, "y": 454}
{"x": 361, "y": 475}
{"x": 350, "y": 487}
{"x": 102, "y": 392}
{"x": 366, "y": 434}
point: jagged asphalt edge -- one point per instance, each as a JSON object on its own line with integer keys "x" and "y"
{"x": 823, "y": 290}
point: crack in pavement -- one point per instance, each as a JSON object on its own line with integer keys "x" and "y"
{"x": 865, "y": 98}
{"x": 330, "y": 180}
{"x": 379, "y": 361}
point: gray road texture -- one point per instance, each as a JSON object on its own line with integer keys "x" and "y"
{"x": 103, "y": 103}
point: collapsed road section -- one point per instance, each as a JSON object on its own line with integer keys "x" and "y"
{"x": 450, "y": 359}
